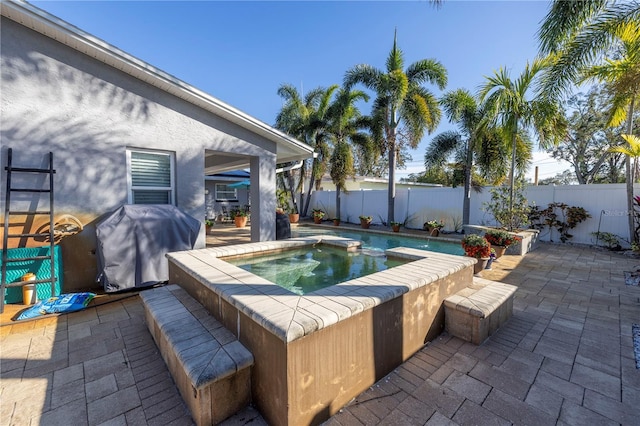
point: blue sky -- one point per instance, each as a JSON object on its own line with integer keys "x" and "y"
{"x": 241, "y": 52}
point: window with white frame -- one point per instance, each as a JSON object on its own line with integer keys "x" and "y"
{"x": 226, "y": 193}
{"x": 150, "y": 176}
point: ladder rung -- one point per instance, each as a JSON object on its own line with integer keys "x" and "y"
{"x": 28, "y": 235}
{"x": 25, "y": 213}
{"x": 29, "y": 190}
{"x": 23, "y": 259}
{"x": 28, "y": 170}
{"x": 21, "y": 283}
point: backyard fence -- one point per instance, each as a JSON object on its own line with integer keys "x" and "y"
{"x": 606, "y": 204}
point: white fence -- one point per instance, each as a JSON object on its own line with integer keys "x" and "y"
{"x": 606, "y": 204}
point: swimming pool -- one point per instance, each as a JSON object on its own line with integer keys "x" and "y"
{"x": 382, "y": 242}
{"x": 308, "y": 269}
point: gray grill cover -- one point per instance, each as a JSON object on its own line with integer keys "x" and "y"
{"x": 133, "y": 241}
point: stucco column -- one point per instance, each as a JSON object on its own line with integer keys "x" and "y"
{"x": 263, "y": 198}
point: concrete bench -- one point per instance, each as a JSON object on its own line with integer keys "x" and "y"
{"x": 210, "y": 367}
{"x": 476, "y": 312}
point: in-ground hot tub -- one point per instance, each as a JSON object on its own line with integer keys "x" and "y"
{"x": 315, "y": 352}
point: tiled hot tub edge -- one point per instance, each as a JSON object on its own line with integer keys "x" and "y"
{"x": 314, "y": 353}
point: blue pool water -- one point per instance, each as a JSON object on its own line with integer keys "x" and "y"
{"x": 382, "y": 242}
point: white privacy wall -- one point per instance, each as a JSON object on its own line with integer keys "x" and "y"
{"x": 605, "y": 203}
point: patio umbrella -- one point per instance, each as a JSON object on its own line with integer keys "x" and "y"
{"x": 242, "y": 184}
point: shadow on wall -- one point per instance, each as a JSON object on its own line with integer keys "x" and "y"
{"x": 85, "y": 112}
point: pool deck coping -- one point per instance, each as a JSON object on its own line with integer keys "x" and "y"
{"x": 290, "y": 316}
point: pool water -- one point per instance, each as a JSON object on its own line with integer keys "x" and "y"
{"x": 380, "y": 242}
{"x": 308, "y": 269}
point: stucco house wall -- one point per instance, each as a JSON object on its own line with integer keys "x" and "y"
{"x": 55, "y": 98}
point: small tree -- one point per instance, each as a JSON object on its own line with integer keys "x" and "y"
{"x": 510, "y": 212}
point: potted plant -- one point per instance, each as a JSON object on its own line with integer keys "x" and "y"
{"x": 294, "y": 216}
{"x": 395, "y": 226}
{"x": 433, "y": 227}
{"x": 500, "y": 240}
{"x": 240, "y": 217}
{"x": 365, "y": 221}
{"x": 477, "y": 246}
{"x": 318, "y": 215}
{"x": 208, "y": 223}
{"x": 336, "y": 221}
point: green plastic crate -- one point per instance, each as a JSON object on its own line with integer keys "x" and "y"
{"x": 42, "y": 269}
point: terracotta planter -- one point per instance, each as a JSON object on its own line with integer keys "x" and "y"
{"x": 365, "y": 224}
{"x": 434, "y": 232}
{"x": 317, "y": 219}
{"x": 208, "y": 229}
{"x": 482, "y": 263}
{"x": 241, "y": 221}
{"x": 294, "y": 217}
{"x": 336, "y": 222}
{"x": 499, "y": 250}
{"x": 395, "y": 228}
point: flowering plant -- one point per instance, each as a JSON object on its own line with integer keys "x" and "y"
{"x": 434, "y": 224}
{"x": 396, "y": 223}
{"x": 476, "y": 246}
{"x": 366, "y": 218}
{"x": 498, "y": 237}
{"x": 318, "y": 213}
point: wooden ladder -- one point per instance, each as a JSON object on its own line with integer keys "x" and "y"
{"x": 9, "y": 212}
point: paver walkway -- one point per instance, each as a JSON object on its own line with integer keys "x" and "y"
{"x": 565, "y": 357}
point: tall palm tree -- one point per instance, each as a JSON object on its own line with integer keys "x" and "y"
{"x": 305, "y": 118}
{"x": 579, "y": 35}
{"x": 401, "y": 99}
{"x": 515, "y": 105}
{"x": 475, "y": 142}
{"x": 346, "y": 125}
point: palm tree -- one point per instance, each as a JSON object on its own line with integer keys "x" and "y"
{"x": 514, "y": 105}
{"x": 346, "y": 125}
{"x": 460, "y": 107}
{"x": 474, "y": 139}
{"x": 579, "y": 35}
{"x": 400, "y": 99}
{"x": 306, "y": 119}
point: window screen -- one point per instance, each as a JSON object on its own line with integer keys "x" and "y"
{"x": 151, "y": 177}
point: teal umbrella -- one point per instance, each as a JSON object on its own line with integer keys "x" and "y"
{"x": 242, "y": 184}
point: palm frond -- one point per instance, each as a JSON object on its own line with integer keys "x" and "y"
{"x": 586, "y": 47}
{"x": 364, "y": 74}
{"x": 441, "y": 148}
{"x": 428, "y": 71}
{"x": 563, "y": 20}
{"x": 632, "y": 149}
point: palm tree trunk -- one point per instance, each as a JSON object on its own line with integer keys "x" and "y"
{"x": 513, "y": 174}
{"x": 391, "y": 196}
{"x": 292, "y": 190}
{"x": 629, "y": 178}
{"x": 307, "y": 199}
{"x": 391, "y": 193}
{"x": 337, "y": 201}
{"x": 466, "y": 202}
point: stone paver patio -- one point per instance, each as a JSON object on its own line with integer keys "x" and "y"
{"x": 565, "y": 357}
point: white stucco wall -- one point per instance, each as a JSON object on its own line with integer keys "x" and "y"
{"x": 54, "y": 98}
